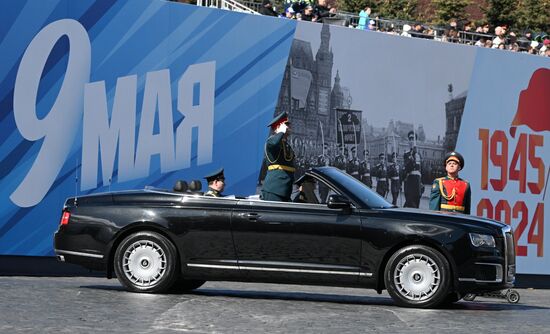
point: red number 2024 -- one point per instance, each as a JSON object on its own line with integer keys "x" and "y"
{"x": 504, "y": 213}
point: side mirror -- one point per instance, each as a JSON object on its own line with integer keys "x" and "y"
{"x": 338, "y": 202}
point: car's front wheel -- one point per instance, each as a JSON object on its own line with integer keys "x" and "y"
{"x": 418, "y": 276}
{"x": 146, "y": 262}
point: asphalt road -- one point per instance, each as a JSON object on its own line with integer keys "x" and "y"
{"x": 93, "y": 305}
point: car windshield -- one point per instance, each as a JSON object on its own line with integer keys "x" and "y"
{"x": 356, "y": 188}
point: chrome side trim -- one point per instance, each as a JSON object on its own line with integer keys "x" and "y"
{"x": 61, "y": 251}
{"x": 212, "y": 266}
{"x": 288, "y": 270}
{"x": 477, "y": 280}
{"x": 283, "y": 264}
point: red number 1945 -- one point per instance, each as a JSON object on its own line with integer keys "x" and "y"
{"x": 494, "y": 149}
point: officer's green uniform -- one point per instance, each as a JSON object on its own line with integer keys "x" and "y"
{"x": 279, "y": 158}
{"x": 451, "y": 194}
{"x": 215, "y": 176}
{"x": 212, "y": 193}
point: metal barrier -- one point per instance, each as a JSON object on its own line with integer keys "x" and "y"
{"x": 467, "y": 37}
{"x": 227, "y": 4}
{"x": 254, "y": 5}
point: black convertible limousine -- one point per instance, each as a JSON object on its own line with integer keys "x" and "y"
{"x": 158, "y": 240}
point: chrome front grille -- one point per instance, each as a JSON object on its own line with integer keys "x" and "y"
{"x": 509, "y": 254}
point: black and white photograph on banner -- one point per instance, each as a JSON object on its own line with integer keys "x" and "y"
{"x": 387, "y": 121}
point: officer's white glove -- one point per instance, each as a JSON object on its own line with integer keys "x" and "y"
{"x": 281, "y": 128}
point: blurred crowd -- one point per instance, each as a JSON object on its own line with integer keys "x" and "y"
{"x": 500, "y": 37}
{"x": 306, "y": 10}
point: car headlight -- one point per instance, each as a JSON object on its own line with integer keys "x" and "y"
{"x": 482, "y": 240}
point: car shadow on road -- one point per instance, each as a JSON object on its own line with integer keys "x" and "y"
{"x": 481, "y": 305}
{"x": 359, "y": 300}
{"x": 294, "y": 296}
{"x": 485, "y": 305}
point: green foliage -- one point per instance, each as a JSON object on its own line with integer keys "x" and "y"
{"x": 355, "y": 6}
{"x": 398, "y": 9}
{"x": 445, "y": 10}
{"x": 501, "y": 12}
{"x": 533, "y": 15}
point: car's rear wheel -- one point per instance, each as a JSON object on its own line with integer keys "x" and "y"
{"x": 418, "y": 276}
{"x": 146, "y": 262}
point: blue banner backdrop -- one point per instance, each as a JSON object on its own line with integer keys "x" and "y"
{"x": 109, "y": 95}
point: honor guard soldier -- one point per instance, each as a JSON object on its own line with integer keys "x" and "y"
{"x": 279, "y": 158}
{"x": 393, "y": 175}
{"x": 381, "y": 173}
{"x": 411, "y": 171}
{"x": 216, "y": 183}
{"x": 364, "y": 170}
{"x": 451, "y": 193}
{"x": 340, "y": 163}
{"x": 353, "y": 165}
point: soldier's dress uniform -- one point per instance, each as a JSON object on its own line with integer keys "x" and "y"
{"x": 213, "y": 193}
{"x": 279, "y": 157}
{"x": 364, "y": 171}
{"x": 340, "y": 163}
{"x": 217, "y": 175}
{"x": 451, "y": 194}
{"x": 353, "y": 166}
{"x": 381, "y": 173}
{"x": 412, "y": 163}
{"x": 395, "y": 182}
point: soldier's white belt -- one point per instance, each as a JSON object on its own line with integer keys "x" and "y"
{"x": 354, "y": 173}
{"x": 395, "y": 177}
{"x": 366, "y": 174}
{"x": 415, "y": 172}
{"x": 382, "y": 179}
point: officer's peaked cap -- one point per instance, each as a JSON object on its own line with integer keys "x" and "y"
{"x": 455, "y": 156}
{"x": 281, "y": 118}
{"x": 217, "y": 175}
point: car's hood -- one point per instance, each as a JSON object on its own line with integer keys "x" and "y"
{"x": 448, "y": 217}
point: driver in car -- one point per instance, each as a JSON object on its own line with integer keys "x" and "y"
{"x": 216, "y": 183}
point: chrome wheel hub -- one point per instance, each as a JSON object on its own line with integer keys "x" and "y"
{"x": 417, "y": 277}
{"x": 144, "y": 263}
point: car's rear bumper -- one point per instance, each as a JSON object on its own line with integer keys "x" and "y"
{"x": 68, "y": 249}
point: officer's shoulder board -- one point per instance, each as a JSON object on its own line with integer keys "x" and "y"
{"x": 438, "y": 181}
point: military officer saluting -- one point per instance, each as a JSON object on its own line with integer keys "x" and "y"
{"x": 279, "y": 158}
{"x": 451, "y": 193}
{"x": 216, "y": 183}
